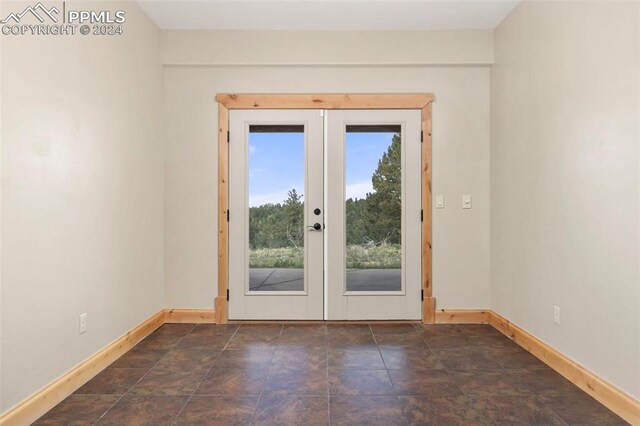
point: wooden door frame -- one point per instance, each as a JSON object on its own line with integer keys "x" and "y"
{"x": 227, "y": 101}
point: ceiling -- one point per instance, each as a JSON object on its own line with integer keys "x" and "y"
{"x": 327, "y": 14}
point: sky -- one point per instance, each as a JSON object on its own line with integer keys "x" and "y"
{"x": 276, "y": 164}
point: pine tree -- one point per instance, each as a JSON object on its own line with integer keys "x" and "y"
{"x": 294, "y": 218}
{"x": 384, "y": 207}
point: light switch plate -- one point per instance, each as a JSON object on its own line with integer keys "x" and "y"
{"x": 439, "y": 201}
{"x": 466, "y": 201}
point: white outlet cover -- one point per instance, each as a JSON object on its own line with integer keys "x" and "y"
{"x": 439, "y": 201}
{"x": 466, "y": 201}
{"x": 83, "y": 323}
{"x": 556, "y": 314}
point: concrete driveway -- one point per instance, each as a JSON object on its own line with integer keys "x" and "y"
{"x": 291, "y": 279}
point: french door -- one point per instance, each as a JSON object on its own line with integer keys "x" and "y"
{"x": 324, "y": 214}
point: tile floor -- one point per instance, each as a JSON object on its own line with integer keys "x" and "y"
{"x": 318, "y": 374}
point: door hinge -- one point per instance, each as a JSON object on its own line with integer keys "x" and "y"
{"x": 421, "y": 294}
{"x": 227, "y": 215}
{"x": 227, "y": 295}
{"x": 421, "y": 215}
{"x": 421, "y": 136}
{"x": 228, "y": 137}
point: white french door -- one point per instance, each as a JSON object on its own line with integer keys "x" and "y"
{"x": 374, "y": 274}
{"x": 275, "y": 191}
{"x": 325, "y": 214}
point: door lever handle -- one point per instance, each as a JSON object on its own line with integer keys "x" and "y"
{"x": 315, "y": 226}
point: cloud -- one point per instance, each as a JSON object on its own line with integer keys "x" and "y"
{"x": 359, "y": 190}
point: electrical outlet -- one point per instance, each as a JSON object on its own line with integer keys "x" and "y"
{"x": 83, "y": 323}
{"x": 556, "y": 314}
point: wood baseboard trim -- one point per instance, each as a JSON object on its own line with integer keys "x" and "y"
{"x": 191, "y": 316}
{"x": 462, "y": 316}
{"x": 48, "y": 397}
{"x": 608, "y": 395}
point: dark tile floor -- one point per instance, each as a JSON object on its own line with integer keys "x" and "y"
{"x": 319, "y": 374}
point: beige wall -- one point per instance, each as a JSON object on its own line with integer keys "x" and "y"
{"x": 1, "y": 145}
{"x": 327, "y": 47}
{"x": 82, "y": 195}
{"x": 565, "y": 180}
{"x": 460, "y": 153}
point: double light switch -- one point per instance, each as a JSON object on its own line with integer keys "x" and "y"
{"x": 466, "y": 201}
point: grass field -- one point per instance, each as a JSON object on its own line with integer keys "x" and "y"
{"x": 385, "y": 256}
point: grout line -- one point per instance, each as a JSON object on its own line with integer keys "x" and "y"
{"x": 255, "y": 410}
{"x": 175, "y": 418}
{"x": 566, "y": 423}
{"x": 446, "y": 370}
{"x": 404, "y": 417}
{"x": 204, "y": 376}
{"x": 147, "y": 372}
{"x": 326, "y": 351}
{"x": 227, "y": 344}
{"x": 328, "y": 392}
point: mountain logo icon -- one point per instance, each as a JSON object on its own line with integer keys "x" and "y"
{"x": 38, "y": 11}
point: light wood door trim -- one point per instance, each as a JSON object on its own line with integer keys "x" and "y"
{"x": 228, "y": 101}
{"x": 324, "y": 101}
{"x": 429, "y": 303}
{"x": 221, "y": 303}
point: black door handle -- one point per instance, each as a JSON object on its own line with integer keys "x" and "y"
{"x": 315, "y": 226}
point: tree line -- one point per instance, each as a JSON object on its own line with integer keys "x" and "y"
{"x": 373, "y": 220}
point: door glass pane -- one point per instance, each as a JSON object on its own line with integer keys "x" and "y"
{"x": 276, "y": 207}
{"x": 373, "y": 207}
